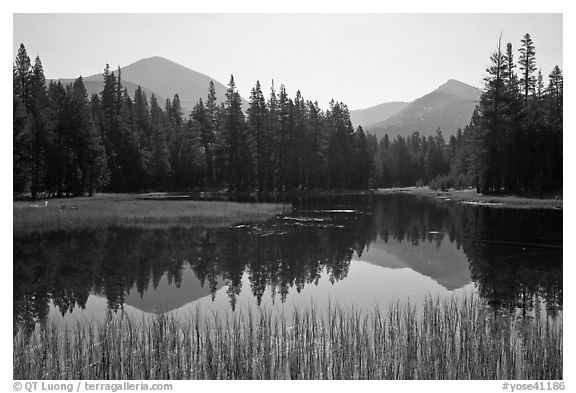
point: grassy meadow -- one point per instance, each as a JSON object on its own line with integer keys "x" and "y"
{"x": 445, "y": 339}
{"x": 126, "y": 209}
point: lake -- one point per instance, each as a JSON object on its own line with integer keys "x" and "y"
{"x": 359, "y": 251}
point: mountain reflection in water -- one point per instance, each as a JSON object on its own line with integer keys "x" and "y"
{"x": 357, "y": 249}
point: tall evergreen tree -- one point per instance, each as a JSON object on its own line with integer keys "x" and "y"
{"x": 234, "y": 129}
{"x": 175, "y": 135}
{"x": 59, "y": 154}
{"x": 257, "y": 124}
{"x": 316, "y": 152}
{"x": 39, "y": 110}
{"x": 89, "y": 171}
{"x": 489, "y": 123}
{"x": 21, "y": 144}
{"x": 282, "y": 139}
{"x": 211, "y": 130}
{"x": 555, "y": 91}
{"x": 527, "y": 63}
{"x": 272, "y": 141}
{"x": 204, "y": 126}
{"x": 363, "y": 163}
{"x": 160, "y": 157}
{"x": 300, "y": 142}
{"x": 22, "y": 121}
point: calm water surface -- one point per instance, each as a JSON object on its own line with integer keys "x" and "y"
{"x": 356, "y": 251}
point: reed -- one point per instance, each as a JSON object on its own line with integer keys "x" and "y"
{"x": 443, "y": 339}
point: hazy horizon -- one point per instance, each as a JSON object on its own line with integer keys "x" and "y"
{"x": 359, "y": 59}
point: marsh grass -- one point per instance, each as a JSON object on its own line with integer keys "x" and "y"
{"x": 448, "y": 339}
{"x": 102, "y": 210}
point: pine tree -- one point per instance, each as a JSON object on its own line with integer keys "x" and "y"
{"x": 553, "y": 106}
{"x": 211, "y": 130}
{"x": 539, "y": 87}
{"x": 340, "y": 145}
{"x": 204, "y": 127}
{"x": 121, "y": 142}
{"x": 21, "y": 144}
{"x": 22, "y": 76}
{"x": 106, "y": 121}
{"x": 234, "y": 129}
{"x": 299, "y": 144}
{"x": 527, "y": 63}
{"x": 489, "y": 125}
{"x": 89, "y": 172}
{"x": 191, "y": 155}
{"x": 39, "y": 110}
{"x": 363, "y": 168}
{"x": 22, "y": 121}
{"x": 283, "y": 139}
{"x": 60, "y": 149}
{"x": 256, "y": 124}
{"x": 143, "y": 131}
{"x": 512, "y": 77}
{"x": 173, "y": 110}
{"x": 160, "y": 157}
{"x": 272, "y": 142}
{"x": 511, "y": 125}
{"x": 555, "y": 90}
{"x": 318, "y": 145}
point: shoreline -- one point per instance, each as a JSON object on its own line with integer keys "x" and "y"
{"x": 471, "y": 197}
{"x": 30, "y": 216}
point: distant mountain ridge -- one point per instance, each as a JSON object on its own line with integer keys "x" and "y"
{"x": 164, "y": 78}
{"x": 449, "y": 107}
{"x": 377, "y": 113}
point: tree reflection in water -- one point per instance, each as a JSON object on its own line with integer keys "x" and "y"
{"x": 515, "y": 256}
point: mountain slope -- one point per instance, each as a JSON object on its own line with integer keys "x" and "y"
{"x": 449, "y": 107}
{"x": 166, "y": 296}
{"x": 376, "y": 113}
{"x": 166, "y": 78}
{"x": 441, "y": 261}
{"x": 96, "y": 86}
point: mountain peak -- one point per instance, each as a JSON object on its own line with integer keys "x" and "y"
{"x": 156, "y": 59}
{"x": 453, "y": 86}
{"x": 165, "y": 78}
{"x": 449, "y": 107}
{"x": 158, "y": 62}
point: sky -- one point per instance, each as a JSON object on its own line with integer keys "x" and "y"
{"x": 359, "y": 59}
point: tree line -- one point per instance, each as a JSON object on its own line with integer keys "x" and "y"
{"x": 513, "y": 143}
{"x": 66, "y": 144}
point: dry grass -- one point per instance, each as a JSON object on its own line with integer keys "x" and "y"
{"x": 450, "y": 339}
{"x": 78, "y": 213}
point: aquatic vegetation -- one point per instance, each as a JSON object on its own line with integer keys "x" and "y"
{"x": 78, "y": 213}
{"x": 443, "y": 339}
